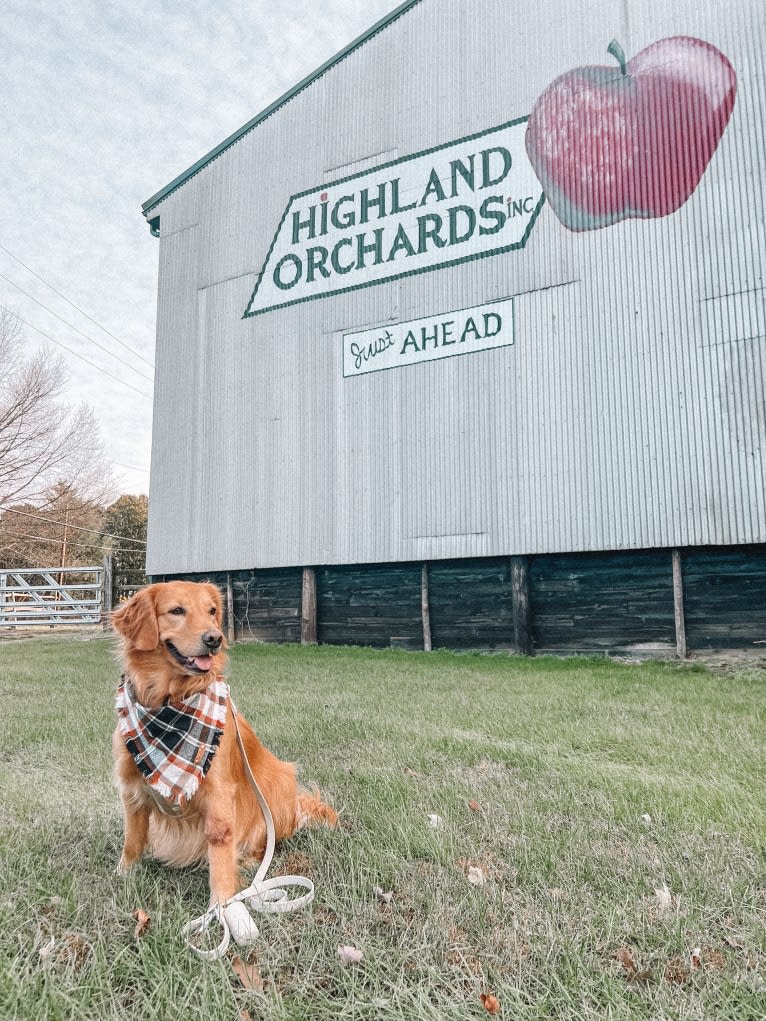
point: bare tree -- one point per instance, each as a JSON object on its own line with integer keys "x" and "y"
{"x": 42, "y": 441}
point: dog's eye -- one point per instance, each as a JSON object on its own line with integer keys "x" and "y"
{"x": 212, "y": 611}
{"x": 177, "y": 611}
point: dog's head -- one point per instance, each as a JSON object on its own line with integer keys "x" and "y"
{"x": 173, "y": 629}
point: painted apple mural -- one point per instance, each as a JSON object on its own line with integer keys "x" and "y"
{"x": 609, "y": 143}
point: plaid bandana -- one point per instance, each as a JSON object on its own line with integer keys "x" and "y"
{"x": 173, "y": 746}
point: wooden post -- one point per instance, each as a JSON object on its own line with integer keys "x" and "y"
{"x": 425, "y": 608}
{"x": 678, "y": 605}
{"x": 231, "y": 632}
{"x": 309, "y": 607}
{"x": 106, "y": 592}
{"x": 522, "y": 633}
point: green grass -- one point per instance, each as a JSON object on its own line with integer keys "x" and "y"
{"x": 562, "y": 758}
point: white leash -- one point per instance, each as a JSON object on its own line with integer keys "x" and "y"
{"x": 267, "y": 896}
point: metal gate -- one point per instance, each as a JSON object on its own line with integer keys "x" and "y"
{"x": 51, "y": 595}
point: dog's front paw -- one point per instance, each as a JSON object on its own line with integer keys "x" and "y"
{"x": 123, "y": 866}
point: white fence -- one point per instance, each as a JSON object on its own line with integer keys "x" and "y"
{"x": 52, "y": 595}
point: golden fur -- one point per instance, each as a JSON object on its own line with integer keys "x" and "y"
{"x": 222, "y": 822}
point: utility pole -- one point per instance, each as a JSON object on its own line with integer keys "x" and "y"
{"x": 63, "y": 545}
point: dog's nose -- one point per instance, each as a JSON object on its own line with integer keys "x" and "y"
{"x": 212, "y": 640}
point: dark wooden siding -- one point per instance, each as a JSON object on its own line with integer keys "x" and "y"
{"x": 267, "y": 603}
{"x": 471, "y": 604}
{"x": 725, "y": 597}
{"x": 620, "y": 602}
{"x": 376, "y": 605}
{"x": 588, "y": 602}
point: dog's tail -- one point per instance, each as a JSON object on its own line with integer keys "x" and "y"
{"x": 310, "y": 810}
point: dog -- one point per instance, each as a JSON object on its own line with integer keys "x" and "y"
{"x": 178, "y": 766}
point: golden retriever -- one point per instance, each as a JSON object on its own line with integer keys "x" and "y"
{"x": 174, "y": 657}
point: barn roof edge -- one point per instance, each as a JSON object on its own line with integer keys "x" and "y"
{"x": 182, "y": 178}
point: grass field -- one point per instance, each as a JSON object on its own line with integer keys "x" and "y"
{"x": 616, "y": 813}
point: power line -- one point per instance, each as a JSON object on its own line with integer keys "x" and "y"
{"x": 66, "y": 524}
{"x": 71, "y": 326}
{"x": 80, "y": 310}
{"x": 131, "y": 467}
{"x": 58, "y": 542}
{"x": 77, "y": 355}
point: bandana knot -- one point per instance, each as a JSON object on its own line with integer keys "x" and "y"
{"x": 173, "y": 746}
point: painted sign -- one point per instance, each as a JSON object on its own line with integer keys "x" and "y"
{"x": 464, "y": 200}
{"x": 424, "y": 340}
{"x": 631, "y": 141}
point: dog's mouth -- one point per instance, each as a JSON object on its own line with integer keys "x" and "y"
{"x": 195, "y": 664}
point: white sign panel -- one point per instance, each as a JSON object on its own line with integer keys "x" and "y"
{"x": 471, "y": 198}
{"x": 424, "y": 340}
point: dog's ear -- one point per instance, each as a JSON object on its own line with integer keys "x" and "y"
{"x": 215, "y": 594}
{"x": 136, "y": 620}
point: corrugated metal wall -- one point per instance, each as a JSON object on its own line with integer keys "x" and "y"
{"x": 629, "y": 412}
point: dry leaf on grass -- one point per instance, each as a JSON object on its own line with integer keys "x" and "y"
{"x": 696, "y": 958}
{"x": 490, "y": 1003}
{"x": 384, "y": 896}
{"x": 625, "y": 956}
{"x": 349, "y": 955}
{"x": 143, "y": 921}
{"x": 664, "y": 899}
{"x": 248, "y": 974}
{"x": 676, "y": 971}
{"x": 44, "y": 952}
{"x": 635, "y": 974}
{"x": 474, "y": 806}
{"x": 475, "y": 875}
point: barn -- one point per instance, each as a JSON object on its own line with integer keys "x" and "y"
{"x": 461, "y": 342}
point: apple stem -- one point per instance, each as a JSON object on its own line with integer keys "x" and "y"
{"x": 618, "y": 53}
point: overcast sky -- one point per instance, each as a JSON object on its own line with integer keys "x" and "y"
{"x": 103, "y": 104}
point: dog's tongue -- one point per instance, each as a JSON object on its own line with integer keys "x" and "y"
{"x": 202, "y": 662}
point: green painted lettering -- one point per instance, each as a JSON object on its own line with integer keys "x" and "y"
{"x": 425, "y": 336}
{"x": 309, "y": 224}
{"x": 488, "y": 156}
{"x": 348, "y": 219}
{"x": 315, "y": 263}
{"x": 469, "y": 216}
{"x": 376, "y": 248}
{"x": 493, "y": 324}
{"x": 429, "y": 226}
{"x": 458, "y": 167}
{"x": 334, "y": 258}
{"x": 492, "y": 214}
{"x": 401, "y": 243}
{"x": 367, "y": 203}
{"x": 409, "y": 341}
{"x": 289, "y": 259}
{"x": 395, "y": 207}
{"x": 470, "y": 328}
{"x": 434, "y": 187}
